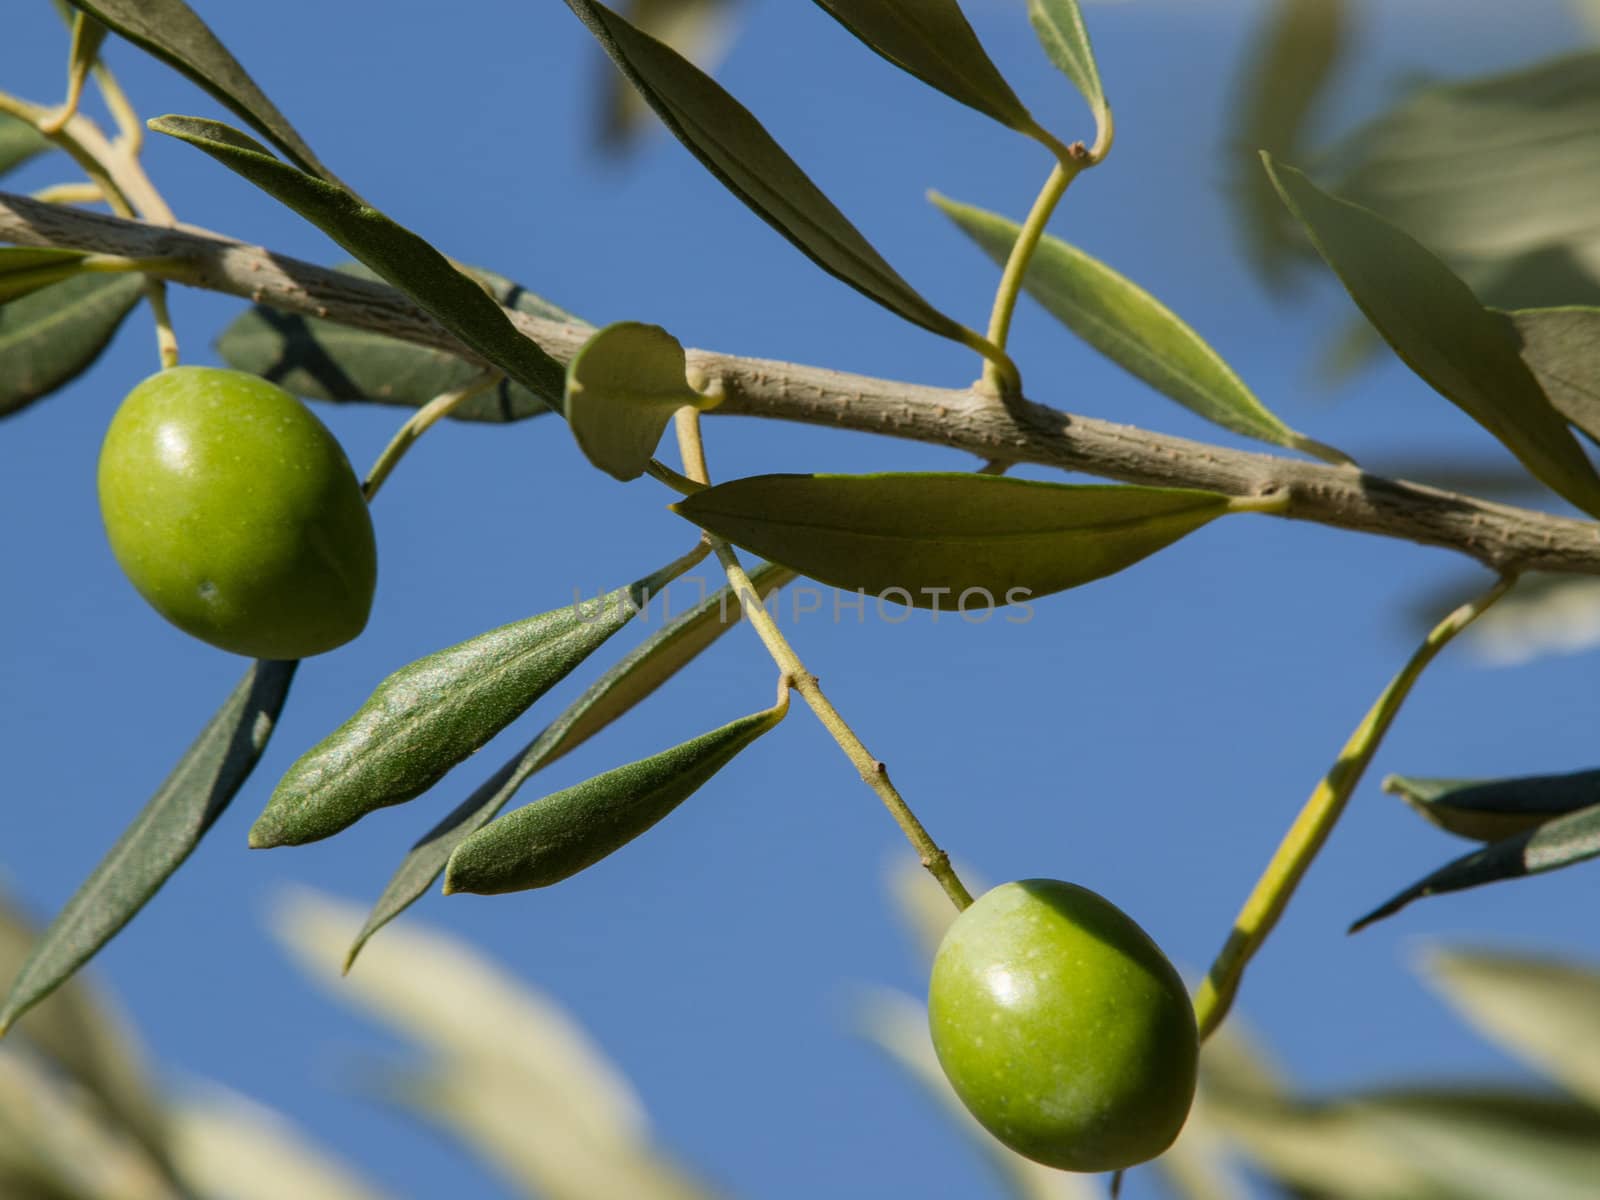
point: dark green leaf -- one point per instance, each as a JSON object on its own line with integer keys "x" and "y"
{"x": 1487, "y": 810}
{"x": 161, "y": 837}
{"x": 1133, "y": 329}
{"x": 697, "y": 29}
{"x": 932, "y": 540}
{"x": 553, "y": 839}
{"x": 1293, "y": 58}
{"x": 733, "y": 146}
{"x": 170, "y": 30}
{"x": 932, "y": 40}
{"x": 1562, "y": 348}
{"x": 25, "y": 269}
{"x": 1435, "y": 324}
{"x": 402, "y": 258}
{"x": 622, "y": 388}
{"x": 1059, "y": 25}
{"x": 322, "y": 360}
{"x": 1559, "y": 842}
{"x": 19, "y": 141}
{"x": 51, "y": 337}
{"x": 631, "y": 680}
{"x": 429, "y": 715}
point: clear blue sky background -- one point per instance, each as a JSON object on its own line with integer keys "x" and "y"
{"x": 1149, "y": 737}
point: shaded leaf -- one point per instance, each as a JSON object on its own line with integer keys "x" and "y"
{"x": 26, "y": 269}
{"x": 733, "y": 146}
{"x": 1562, "y": 348}
{"x": 161, "y": 837}
{"x": 931, "y": 540}
{"x": 1437, "y": 327}
{"x": 1542, "y": 1009}
{"x": 171, "y": 30}
{"x": 1487, "y": 810}
{"x": 430, "y": 714}
{"x": 1559, "y": 842}
{"x": 568, "y": 831}
{"x": 1061, "y": 31}
{"x": 623, "y": 385}
{"x": 932, "y": 40}
{"x": 50, "y": 338}
{"x": 323, "y": 360}
{"x": 1133, "y": 329}
{"x": 19, "y": 141}
{"x": 402, "y": 258}
{"x": 697, "y": 29}
{"x": 638, "y": 675}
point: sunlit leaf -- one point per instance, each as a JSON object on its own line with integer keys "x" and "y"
{"x": 936, "y": 540}
{"x": 1559, "y": 842}
{"x": 1562, "y": 348}
{"x": 170, "y": 30}
{"x": 1061, "y": 31}
{"x": 26, "y": 269}
{"x": 623, "y": 386}
{"x": 932, "y": 40}
{"x": 19, "y": 141}
{"x": 733, "y": 146}
{"x": 50, "y": 338}
{"x": 402, "y": 258}
{"x": 1440, "y": 330}
{"x": 1488, "y": 810}
{"x": 569, "y": 831}
{"x": 161, "y": 837}
{"x": 635, "y": 677}
{"x": 1133, "y": 329}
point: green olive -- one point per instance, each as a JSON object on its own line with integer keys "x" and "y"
{"x": 235, "y": 513}
{"x": 1063, "y": 1028}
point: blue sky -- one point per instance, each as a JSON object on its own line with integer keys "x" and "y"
{"x": 1150, "y": 736}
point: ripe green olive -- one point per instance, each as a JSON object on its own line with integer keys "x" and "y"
{"x": 235, "y": 513}
{"x": 1063, "y": 1028}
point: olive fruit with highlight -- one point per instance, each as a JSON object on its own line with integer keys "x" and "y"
{"x": 235, "y": 513}
{"x": 1063, "y": 1028}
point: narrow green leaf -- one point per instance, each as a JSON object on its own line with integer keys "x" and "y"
{"x": 631, "y": 680}
{"x": 1559, "y": 842}
{"x": 430, "y": 715}
{"x": 622, "y": 388}
{"x": 1133, "y": 329}
{"x": 1435, "y": 324}
{"x": 19, "y": 141}
{"x": 1061, "y": 31}
{"x": 402, "y": 258}
{"x": 322, "y": 360}
{"x": 1488, "y": 810}
{"x": 700, "y": 30}
{"x": 932, "y": 40}
{"x": 733, "y": 146}
{"x": 171, "y": 30}
{"x": 1544, "y": 1010}
{"x": 1562, "y": 348}
{"x": 161, "y": 837}
{"x": 25, "y": 269}
{"x": 50, "y": 338}
{"x": 936, "y": 540}
{"x": 568, "y": 831}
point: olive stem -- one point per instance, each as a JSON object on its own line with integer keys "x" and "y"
{"x": 1316, "y": 820}
{"x": 873, "y": 773}
{"x": 70, "y": 193}
{"x": 418, "y": 424}
{"x": 87, "y": 35}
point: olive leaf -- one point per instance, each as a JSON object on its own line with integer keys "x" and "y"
{"x": 1488, "y": 810}
{"x": 402, "y": 258}
{"x": 1061, "y": 31}
{"x": 52, "y": 336}
{"x": 25, "y": 269}
{"x": 161, "y": 837}
{"x": 431, "y": 714}
{"x": 734, "y": 147}
{"x": 568, "y": 831}
{"x": 631, "y": 680}
{"x": 932, "y": 40}
{"x": 174, "y": 33}
{"x": 934, "y": 540}
{"x": 318, "y": 359}
{"x": 700, "y": 30}
{"x": 1562, "y": 348}
{"x": 1431, "y": 319}
{"x": 1133, "y": 329}
{"x": 19, "y": 141}
{"x": 1559, "y": 842}
{"x": 623, "y": 386}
